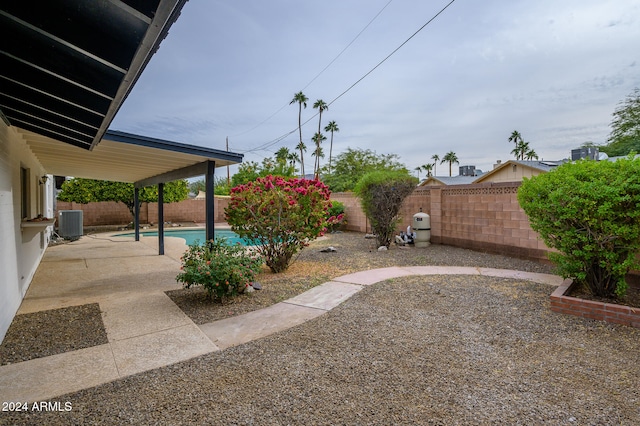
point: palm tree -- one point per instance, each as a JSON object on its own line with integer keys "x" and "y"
{"x": 517, "y": 150}
{"x": 318, "y": 153}
{"x": 320, "y": 105}
{"x": 301, "y": 100}
{"x": 331, "y": 127}
{"x": 515, "y": 137}
{"x": 318, "y": 138}
{"x": 435, "y": 158}
{"x": 418, "y": 169}
{"x": 450, "y": 157}
{"x": 522, "y": 149}
{"x": 427, "y": 168}
{"x": 293, "y": 158}
{"x": 282, "y": 155}
{"x": 302, "y": 147}
{"x": 530, "y": 154}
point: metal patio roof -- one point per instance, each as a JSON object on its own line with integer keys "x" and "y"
{"x": 66, "y": 66}
{"x": 125, "y": 157}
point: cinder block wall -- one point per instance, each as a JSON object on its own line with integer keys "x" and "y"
{"x": 113, "y": 213}
{"x": 356, "y": 220}
{"x": 480, "y": 217}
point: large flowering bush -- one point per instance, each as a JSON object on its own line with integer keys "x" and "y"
{"x": 224, "y": 270}
{"x": 280, "y": 216}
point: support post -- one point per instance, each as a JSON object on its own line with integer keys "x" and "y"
{"x": 209, "y": 200}
{"x": 161, "y": 218}
{"x": 136, "y": 213}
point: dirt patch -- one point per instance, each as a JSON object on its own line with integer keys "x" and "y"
{"x": 632, "y": 298}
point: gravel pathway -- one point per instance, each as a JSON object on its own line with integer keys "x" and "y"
{"x": 416, "y": 350}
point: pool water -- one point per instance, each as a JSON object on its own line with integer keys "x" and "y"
{"x": 191, "y": 235}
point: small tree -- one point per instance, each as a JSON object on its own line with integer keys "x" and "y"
{"x": 381, "y": 195}
{"x": 279, "y": 215}
{"x": 590, "y": 212}
{"x": 220, "y": 186}
{"x": 625, "y": 127}
{"x": 352, "y": 164}
{"x": 85, "y": 191}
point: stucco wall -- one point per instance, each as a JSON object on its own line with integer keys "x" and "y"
{"x": 20, "y": 250}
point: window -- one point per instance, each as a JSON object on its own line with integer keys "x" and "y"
{"x": 25, "y": 193}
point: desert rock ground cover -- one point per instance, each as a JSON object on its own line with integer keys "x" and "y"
{"x": 413, "y": 350}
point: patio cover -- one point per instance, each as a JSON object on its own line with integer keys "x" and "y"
{"x": 126, "y": 157}
{"x": 66, "y": 67}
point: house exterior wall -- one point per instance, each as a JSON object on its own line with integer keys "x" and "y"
{"x": 20, "y": 249}
{"x": 511, "y": 173}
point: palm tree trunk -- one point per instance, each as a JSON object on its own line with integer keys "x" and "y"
{"x": 300, "y": 130}
{"x": 330, "y": 149}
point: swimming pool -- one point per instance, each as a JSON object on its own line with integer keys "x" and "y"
{"x": 191, "y": 235}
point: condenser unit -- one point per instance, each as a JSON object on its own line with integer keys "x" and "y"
{"x": 70, "y": 224}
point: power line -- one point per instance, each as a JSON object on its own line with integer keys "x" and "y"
{"x": 390, "y": 54}
{"x": 274, "y": 141}
{"x": 320, "y": 73}
{"x": 352, "y": 41}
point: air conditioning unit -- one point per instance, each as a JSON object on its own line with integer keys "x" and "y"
{"x": 70, "y": 224}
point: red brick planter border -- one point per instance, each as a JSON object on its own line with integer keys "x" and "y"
{"x": 609, "y": 312}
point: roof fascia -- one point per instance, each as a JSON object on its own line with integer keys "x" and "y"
{"x": 183, "y": 173}
{"x": 166, "y": 14}
{"x": 214, "y": 154}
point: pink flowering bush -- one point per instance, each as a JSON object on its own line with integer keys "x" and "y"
{"x": 336, "y": 216}
{"x": 279, "y": 215}
{"x": 223, "y": 269}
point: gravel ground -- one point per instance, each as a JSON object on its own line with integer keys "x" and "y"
{"x": 52, "y": 332}
{"x": 417, "y": 350}
{"x": 313, "y": 267}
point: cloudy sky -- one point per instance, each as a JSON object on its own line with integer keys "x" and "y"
{"x": 553, "y": 70}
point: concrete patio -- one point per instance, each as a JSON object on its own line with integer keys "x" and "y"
{"x": 145, "y": 329}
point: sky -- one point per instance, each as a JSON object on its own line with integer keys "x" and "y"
{"x": 553, "y": 70}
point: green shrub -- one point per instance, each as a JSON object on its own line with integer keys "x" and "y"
{"x": 590, "y": 212}
{"x": 381, "y": 195}
{"x": 224, "y": 270}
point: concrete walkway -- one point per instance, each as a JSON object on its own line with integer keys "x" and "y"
{"x": 145, "y": 329}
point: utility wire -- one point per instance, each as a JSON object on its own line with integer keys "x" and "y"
{"x": 390, "y": 54}
{"x": 274, "y": 141}
{"x": 320, "y": 73}
{"x": 348, "y": 45}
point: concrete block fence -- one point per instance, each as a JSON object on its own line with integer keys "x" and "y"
{"x": 483, "y": 217}
{"x": 479, "y": 216}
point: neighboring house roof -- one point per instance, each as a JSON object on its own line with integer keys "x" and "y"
{"x": 534, "y": 167}
{"x": 448, "y": 180}
{"x": 66, "y": 66}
